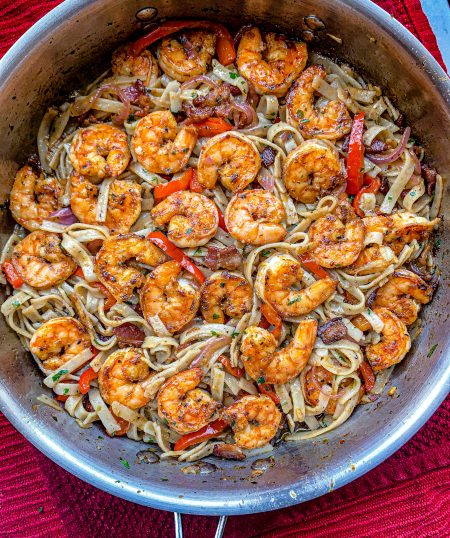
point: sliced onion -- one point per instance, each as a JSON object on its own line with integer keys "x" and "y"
{"x": 394, "y": 155}
{"x": 86, "y": 104}
{"x": 64, "y": 216}
{"x": 213, "y": 345}
{"x": 193, "y": 82}
{"x": 266, "y": 180}
{"x": 244, "y": 115}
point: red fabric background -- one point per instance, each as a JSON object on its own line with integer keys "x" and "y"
{"x": 407, "y": 495}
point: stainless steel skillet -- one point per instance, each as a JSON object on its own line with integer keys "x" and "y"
{"x": 56, "y": 56}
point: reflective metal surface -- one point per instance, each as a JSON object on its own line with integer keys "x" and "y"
{"x": 56, "y": 56}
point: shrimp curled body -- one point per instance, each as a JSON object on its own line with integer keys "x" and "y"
{"x": 113, "y": 267}
{"x": 274, "y": 282}
{"x": 255, "y": 217}
{"x": 143, "y": 66}
{"x": 166, "y": 294}
{"x": 225, "y": 294}
{"x": 273, "y": 66}
{"x": 100, "y": 151}
{"x": 231, "y": 158}
{"x": 58, "y": 340}
{"x": 261, "y": 360}
{"x": 330, "y": 123}
{"x": 40, "y": 261}
{"x": 34, "y": 197}
{"x": 157, "y": 145}
{"x": 254, "y": 420}
{"x": 123, "y": 378}
{"x": 395, "y": 341}
{"x": 312, "y": 169}
{"x": 193, "y": 218}
{"x": 186, "y": 407}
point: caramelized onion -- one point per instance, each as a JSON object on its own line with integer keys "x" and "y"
{"x": 394, "y": 155}
{"x": 194, "y": 82}
{"x": 64, "y": 216}
{"x": 213, "y": 345}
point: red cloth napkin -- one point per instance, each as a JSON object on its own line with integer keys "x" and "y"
{"x": 407, "y": 495}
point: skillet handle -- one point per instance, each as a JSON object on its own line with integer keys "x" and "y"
{"x": 179, "y": 526}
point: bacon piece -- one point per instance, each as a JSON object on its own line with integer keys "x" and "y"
{"x": 128, "y": 335}
{"x": 223, "y": 258}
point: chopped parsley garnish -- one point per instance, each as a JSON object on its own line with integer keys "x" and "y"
{"x": 131, "y": 117}
{"x": 369, "y": 311}
{"x": 306, "y": 120}
{"x": 432, "y": 350}
{"x": 59, "y": 374}
{"x": 216, "y": 316}
{"x": 437, "y": 243}
{"x": 16, "y": 304}
{"x": 351, "y": 197}
{"x": 261, "y": 380}
{"x": 166, "y": 422}
{"x": 233, "y": 76}
{"x": 389, "y": 198}
{"x": 189, "y": 230}
{"x": 100, "y": 437}
{"x": 66, "y": 391}
{"x": 222, "y": 284}
{"x": 299, "y": 114}
{"x": 233, "y": 335}
{"x": 296, "y": 300}
{"x": 233, "y": 423}
{"x": 411, "y": 140}
{"x": 265, "y": 253}
{"x": 124, "y": 463}
{"x": 213, "y": 333}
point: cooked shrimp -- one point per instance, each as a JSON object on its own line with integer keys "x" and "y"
{"x": 274, "y": 282}
{"x": 339, "y": 238}
{"x": 34, "y": 197}
{"x": 40, "y": 261}
{"x": 231, "y": 158}
{"x": 395, "y": 341}
{"x": 402, "y": 293}
{"x": 255, "y": 217}
{"x": 124, "y": 203}
{"x": 159, "y": 147}
{"x": 143, "y": 66}
{"x": 405, "y": 227}
{"x": 225, "y": 294}
{"x": 185, "y": 407}
{"x": 115, "y": 263}
{"x": 123, "y": 378}
{"x": 262, "y": 361}
{"x": 254, "y": 420}
{"x": 58, "y": 340}
{"x": 193, "y": 218}
{"x": 175, "y": 300}
{"x": 273, "y": 66}
{"x": 330, "y": 123}
{"x": 373, "y": 259}
{"x": 187, "y": 55}
{"x": 100, "y": 151}
{"x": 312, "y": 169}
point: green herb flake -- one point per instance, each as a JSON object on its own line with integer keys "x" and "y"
{"x": 432, "y": 350}
{"x": 389, "y": 198}
{"x": 351, "y": 198}
{"x": 213, "y": 333}
{"x": 16, "y": 304}
{"x": 233, "y": 335}
{"x": 216, "y": 316}
{"x": 66, "y": 391}
{"x": 189, "y": 230}
{"x": 369, "y": 311}
{"x": 55, "y": 418}
{"x": 306, "y": 120}
{"x": 40, "y": 509}
{"x": 222, "y": 284}
{"x": 59, "y": 374}
{"x": 131, "y": 117}
{"x": 261, "y": 380}
{"x": 299, "y": 114}
{"x": 100, "y": 437}
{"x": 412, "y": 193}
{"x": 198, "y": 252}
{"x": 166, "y": 422}
{"x": 233, "y": 423}
{"x": 411, "y": 140}
{"x": 233, "y": 76}
{"x": 124, "y": 463}
{"x": 296, "y": 300}
{"x": 437, "y": 243}
{"x": 265, "y": 253}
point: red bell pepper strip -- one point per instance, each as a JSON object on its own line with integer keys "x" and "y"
{"x": 273, "y": 318}
{"x": 307, "y": 260}
{"x": 224, "y": 44}
{"x": 161, "y": 241}
{"x": 222, "y": 223}
{"x": 11, "y": 274}
{"x": 373, "y": 187}
{"x": 124, "y": 426}
{"x": 355, "y": 155}
{"x": 207, "y": 432}
{"x": 85, "y": 380}
{"x": 180, "y": 184}
{"x": 233, "y": 370}
{"x": 212, "y": 127}
{"x": 195, "y": 185}
{"x": 368, "y": 375}
{"x": 264, "y": 388}
{"x": 61, "y": 397}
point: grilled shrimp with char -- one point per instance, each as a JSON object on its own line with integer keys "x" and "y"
{"x": 58, "y": 340}
{"x": 40, "y": 260}
{"x": 187, "y": 54}
{"x": 34, "y": 197}
{"x": 170, "y": 296}
{"x": 262, "y": 361}
{"x": 394, "y": 344}
{"x": 126, "y": 64}
{"x": 339, "y": 237}
{"x": 124, "y": 203}
{"x": 158, "y": 146}
{"x": 115, "y": 263}
{"x": 230, "y": 158}
{"x": 270, "y": 66}
{"x": 100, "y": 151}
{"x": 255, "y": 217}
{"x": 123, "y": 378}
{"x": 254, "y": 420}
{"x": 192, "y": 218}
{"x": 225, "y": 294}
{"x": 312, "y": 169}
{"x": 183, "y": 405}
{"x": 274, "y": 285}
{"x": 328, "y": 123}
